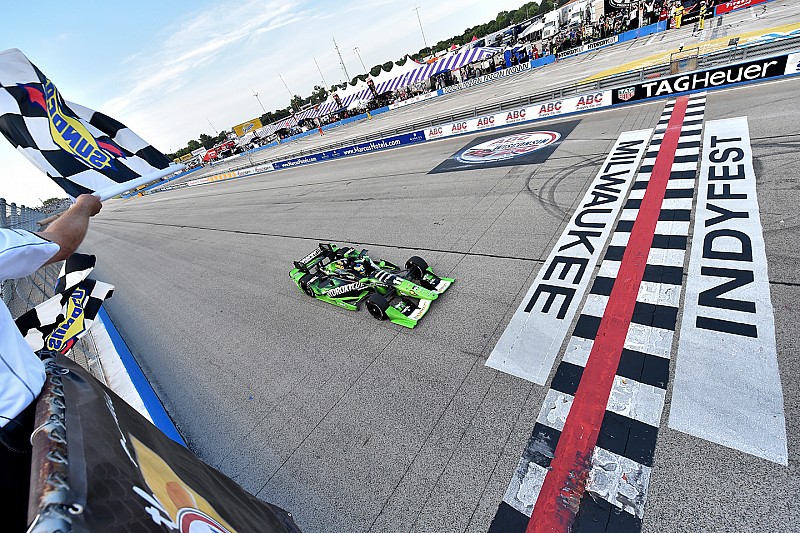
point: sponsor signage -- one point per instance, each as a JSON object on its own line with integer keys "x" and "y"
{"x": 507, "y": 149}
{"x": 247, "y": 127}
{"x": 792, "y": 64}
{"x": 533, "y": 338}
{"x": 727, "y": 386}
{"x": 553, "y": 108}
{"x": 594, "y": 45}
{"x": 727, "y": 7}
{"x": 362, "y": 148}
{"x": 488, "y": 77}
{"x": 708, "y": 79}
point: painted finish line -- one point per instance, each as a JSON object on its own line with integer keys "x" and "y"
{"x": 531, "y": 342}
{"x": 727, "y": 383}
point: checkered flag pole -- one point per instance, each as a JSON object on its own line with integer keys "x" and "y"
{"x": 82, "y": 150}
{"x": 57, "y": 323}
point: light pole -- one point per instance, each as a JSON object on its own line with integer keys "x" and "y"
{"x": 259, "y": 100}
{"x": 324, "y": 83}
{"x": 424, "y": 40}
{"x": 341, "y": 61}
{"x": 212, "y": 126}
{"x": 357, "y": 50}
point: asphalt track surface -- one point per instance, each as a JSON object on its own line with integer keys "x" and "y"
{"x": 359, "y": 425}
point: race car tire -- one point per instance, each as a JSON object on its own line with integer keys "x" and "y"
{"x": 416, "y": 267}
{"x": 377, "y": 306}
{"x": 304, "y": 285}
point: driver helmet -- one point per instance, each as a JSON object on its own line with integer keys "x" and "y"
{"x": 360, "y": 268}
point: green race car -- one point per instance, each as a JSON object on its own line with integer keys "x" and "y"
{"x": 346, "y": 277}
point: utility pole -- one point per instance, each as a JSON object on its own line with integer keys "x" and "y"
{"x": 259, "y": 100}
{"x": 324, "y": 83}
{"x": 424, "y": 40}
{"x": 341, "y": 61}
{"x": 357, "y": 50}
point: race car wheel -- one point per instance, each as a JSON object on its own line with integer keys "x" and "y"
{"x": 377, "y": 306}
{"x": 304, "y": 284}
{"x": 416, "y": 267}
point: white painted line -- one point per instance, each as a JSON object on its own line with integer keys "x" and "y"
{"x": 727, "y": 386}
{"x": 555, "y": 409}
{"x": 629, "y": 214}
{"x": 659, "y": 294}
{"x": 609, "y": 268}
{"x": 677, "y": 167}
{"x": 636, "y": 400}
{"x": 636, "y": 194}
{"x": 620, "y": 238}
{"x": 687, "y": 183}
{"x": 676, "y": 203}
{"x": 525, "y": 486}
{"x": 531, "y": 342}
{"x": 619, "y": 481}
{"x": 578, "y": 351}
{"x": 662, "y": 257}
{"x": 595, "y": 305}
{"x": 672, "y": 227}
{"x": 647, "y": 339}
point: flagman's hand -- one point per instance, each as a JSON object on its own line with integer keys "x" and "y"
{"x": 69, "y": 229}
{"x": 89, "y": 202}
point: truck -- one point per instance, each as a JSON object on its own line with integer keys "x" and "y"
{"x": 551, "y": 25}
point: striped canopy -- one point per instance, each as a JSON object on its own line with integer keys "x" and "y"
{"x": 413, "y": 73}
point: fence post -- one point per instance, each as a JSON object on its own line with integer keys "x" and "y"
{"x": 14, "y": 222}
{"x": 3, "y": 215}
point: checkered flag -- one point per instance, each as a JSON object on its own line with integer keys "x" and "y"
{"x": 82, "y": 150}
{"x": 58, "y": 323}
{"x": 75, "y": 269}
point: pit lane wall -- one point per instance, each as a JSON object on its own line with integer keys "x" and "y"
{"x": 764, "y": 69}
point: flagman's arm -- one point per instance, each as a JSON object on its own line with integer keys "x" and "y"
{"x": 68, "y": 230}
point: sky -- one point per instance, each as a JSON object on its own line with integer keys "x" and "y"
{"x": 173, "y": 69}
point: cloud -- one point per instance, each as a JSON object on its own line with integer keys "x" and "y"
{"x": 201, "y": 40}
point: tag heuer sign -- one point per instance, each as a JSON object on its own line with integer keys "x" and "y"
{"x": 626, "y": 93}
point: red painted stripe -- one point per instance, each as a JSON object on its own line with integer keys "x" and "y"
{"x": 563, "y": 487}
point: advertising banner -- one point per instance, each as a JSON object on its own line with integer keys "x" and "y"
{"x": 717, "y": 77}
{"x": 549, "y": 109}
{"x": 594, "y": 45}
{"x": 362, "y": 148}
{"x": 727, "y": 7}
{"x": 125, "y": 475}
{"x": 488, "y": 77}
{"x": 246, "y": 127}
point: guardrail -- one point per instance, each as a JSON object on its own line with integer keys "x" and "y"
{"x": 728, "y": 55}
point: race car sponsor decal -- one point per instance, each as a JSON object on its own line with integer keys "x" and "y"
{"x": 728, "y": 322}
{"x": 313, "y": 255}
{"x": 533, "y": 338}
{"x": 519, "y": 148}
{"x": 346, "y": 289}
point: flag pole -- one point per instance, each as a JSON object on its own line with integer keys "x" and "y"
{"x": 113, "y": 190}
{"x": 110, "y": 192}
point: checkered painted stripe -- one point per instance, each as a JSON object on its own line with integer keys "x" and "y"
{"x": 615, "y": 486}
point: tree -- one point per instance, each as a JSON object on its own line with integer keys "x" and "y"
{"x": 545, "y": 7}
{"x": 192, "y": 145}
{"x": 207, "y": 141}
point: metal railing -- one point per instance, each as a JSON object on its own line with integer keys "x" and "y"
{"x": 22, "y": 294}
{"x": 711, "y": 59}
